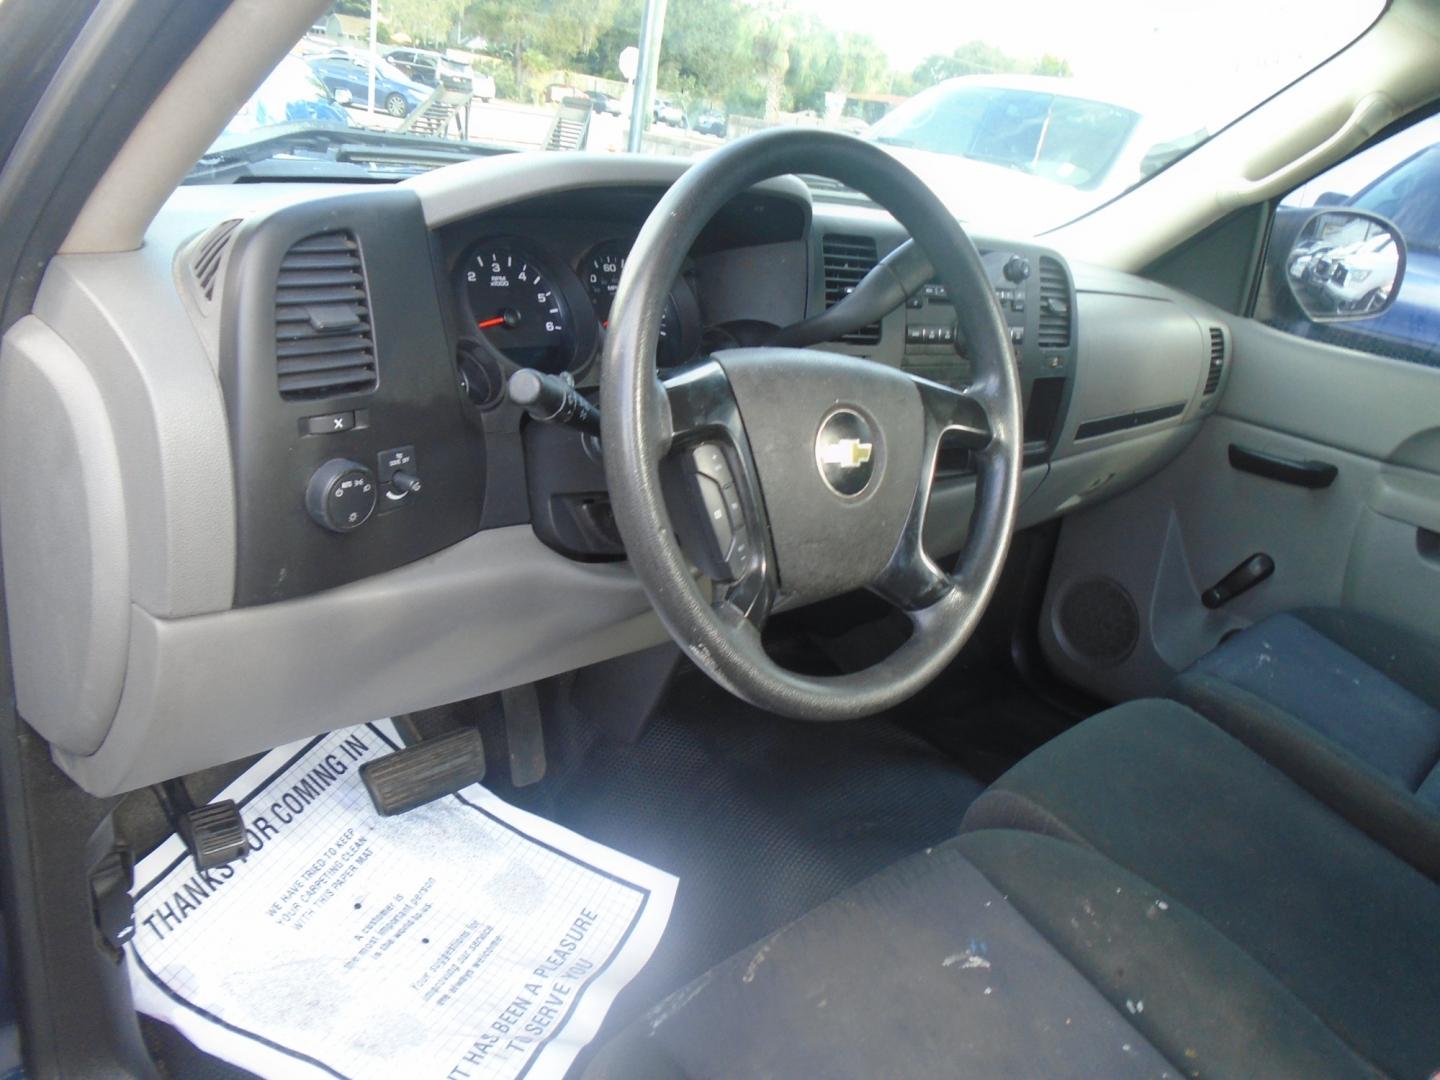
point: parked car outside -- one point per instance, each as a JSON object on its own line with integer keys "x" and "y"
{"x": 434, "y": 69}
{"x": 292, "y": 93}
{"x": 395, "y": 92}
{"x": 484, "y": 84}
{"x": 603, "y": 102}
{"x": 711, "y": 122}
{"x": 1042, "y": 146}
{"x": 669, "y": 113}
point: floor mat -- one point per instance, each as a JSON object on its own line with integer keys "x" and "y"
{"x": 465, "y": 937}
{"x": 761, "y": 818}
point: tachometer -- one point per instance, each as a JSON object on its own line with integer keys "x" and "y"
{"x": 518, "y": 305}
{"x": 600, "y": 273}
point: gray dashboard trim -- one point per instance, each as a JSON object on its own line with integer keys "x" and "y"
{"x": 473, "y": 187}
{"x": 496, "y": 610}
{"x": 122, "y": 315}
{"x": 62, "y": 515}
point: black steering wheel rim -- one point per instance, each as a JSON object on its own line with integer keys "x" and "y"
{"x": 639, "y": 428}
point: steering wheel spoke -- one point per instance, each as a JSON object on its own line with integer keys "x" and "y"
{"x": 714, "y": 494}
{"x": 912, "y": 581}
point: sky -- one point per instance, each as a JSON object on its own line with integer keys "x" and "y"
{"x": 1195, "y": 53}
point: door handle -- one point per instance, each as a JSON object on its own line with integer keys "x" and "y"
{"x": 1243, "y": 578}
{"x": 1301, "y": 473}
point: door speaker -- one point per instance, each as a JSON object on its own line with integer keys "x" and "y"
{"x": 1096, "y": 621}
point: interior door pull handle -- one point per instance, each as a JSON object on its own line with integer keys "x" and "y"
{"x": 1306, "y": 474}
{"x": 1243, "y": 578}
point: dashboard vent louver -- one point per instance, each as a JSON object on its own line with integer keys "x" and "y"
{"x": 210, "y": 256}
{"x": 323, "y": 341}
{"x": 1053, "y": 330}
{"x": 847, "y": 260}
{"x": 1217, "y": 360}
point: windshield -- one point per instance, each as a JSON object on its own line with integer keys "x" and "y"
{"x": 1018, "y": 121}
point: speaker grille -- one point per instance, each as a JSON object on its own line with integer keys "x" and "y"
{"x": 1097, "y": 621}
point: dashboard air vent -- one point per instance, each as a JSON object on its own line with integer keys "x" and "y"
{"x": 1053, "y": 331}
{"x": 323, "y": 341}
{"x": 1217, "y": 360}
{"x": 210, "y": 255}
{"x": 847, "y": 260}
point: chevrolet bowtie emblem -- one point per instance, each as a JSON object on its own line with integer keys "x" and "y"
{"x": 847, "y": 453}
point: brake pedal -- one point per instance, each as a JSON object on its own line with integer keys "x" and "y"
{"x": 213, "y": 833}
{"x": 424, "y": 772}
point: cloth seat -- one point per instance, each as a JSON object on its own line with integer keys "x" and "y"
{"x": 1348, "y": 706}
{"x": 1036, "y": 944}
{"x": 1344, "y": 924}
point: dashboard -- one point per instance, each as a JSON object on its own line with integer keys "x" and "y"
{"x": 301, "y": 498}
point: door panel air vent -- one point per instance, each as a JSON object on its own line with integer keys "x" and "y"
{"x": 210, "y": 256}
{"x": 1053, "y": 330}
{"x": 1217, "y": 360}
{"x": 847, "y": 260}
{"x": 323, "y": 341}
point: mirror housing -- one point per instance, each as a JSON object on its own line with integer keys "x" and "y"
{"x": 343, "y": 95}
{"x": 1345, "y": 265}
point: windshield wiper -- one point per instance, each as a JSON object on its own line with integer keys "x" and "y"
{"x": 327, "y": 152}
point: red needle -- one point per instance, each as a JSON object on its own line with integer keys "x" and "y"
{"x": 499, "y": 320}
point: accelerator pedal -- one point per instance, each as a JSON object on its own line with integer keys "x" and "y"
{"x": 425, "y": 772}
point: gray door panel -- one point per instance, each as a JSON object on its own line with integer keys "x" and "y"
{"x": 1369, "y": 542}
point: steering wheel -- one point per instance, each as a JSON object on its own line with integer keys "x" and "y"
{"x": 797, "y": 474}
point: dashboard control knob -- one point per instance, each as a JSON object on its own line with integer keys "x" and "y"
{"x": 405, "y": 483}
{"x": 1017, "y": 268}
{"x": 341, "y": 495}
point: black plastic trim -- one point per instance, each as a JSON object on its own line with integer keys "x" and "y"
{"x": 1108, "y": 425}
{"x": 1300, "y": 473}
{"x": 416, "y": 403}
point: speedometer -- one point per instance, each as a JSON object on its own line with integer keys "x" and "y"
{"x": 600, "y": 273}
{"x": 518, "y": 305}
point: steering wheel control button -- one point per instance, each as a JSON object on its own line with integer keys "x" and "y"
{"x": 708, "y": 459}
{"x": 712, "y": 498}
{"x": 727, "y": 541}
{"x": 398, "y": 475}
{"x": 845, "y": 453}
{"x": 341, "y": 495}
{"x": 328, "y": 424}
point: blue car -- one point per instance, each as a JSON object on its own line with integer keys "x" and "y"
{"x": 291, "y": 94}
{"x": 1408, "y": 195}
{"x": 395, "y": 92}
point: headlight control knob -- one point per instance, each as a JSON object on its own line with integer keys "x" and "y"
{"x": 341, "y": 495}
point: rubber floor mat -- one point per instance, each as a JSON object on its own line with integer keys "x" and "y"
{"x": 761, "y": 818}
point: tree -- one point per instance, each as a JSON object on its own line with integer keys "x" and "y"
{"x": 428, "y": 22}
{"x": 541, "y": 33}
{"x": 1050, "y": 64}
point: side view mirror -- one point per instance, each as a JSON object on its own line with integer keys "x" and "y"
{"x": 342, "y": 96}
{"x": 1345, "y": 265}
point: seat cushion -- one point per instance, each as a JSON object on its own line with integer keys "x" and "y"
{"x": 1002, "y": 954}
{"x": 1350, "y": 929}
{"x": 1344, "y": 704}
{"x": 1291, "y": 663}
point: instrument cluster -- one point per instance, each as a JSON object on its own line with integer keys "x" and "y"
{"x": 541, "y": 312}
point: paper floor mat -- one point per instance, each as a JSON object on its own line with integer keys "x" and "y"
{"x": 465, "y": 939}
